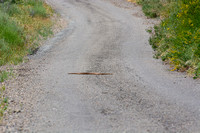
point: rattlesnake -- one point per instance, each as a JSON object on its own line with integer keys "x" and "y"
{"x": 90, "y": 73}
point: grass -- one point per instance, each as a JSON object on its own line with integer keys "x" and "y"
{"x": 22, "y": 24}
{"x": 151, "y": 8}
{"x": 3, "y": 102}
{"x": 176, "y": 39}
{"x": 11, "y": 39}
{"x": 4, "y": 76}
{"x": 156, "y": 8}
{"x": 38, "y": 9}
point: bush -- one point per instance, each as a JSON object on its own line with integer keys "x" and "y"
{"x": 177, "y": 38}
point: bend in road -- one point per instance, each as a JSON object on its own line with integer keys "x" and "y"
{"x": 140, "y": 96}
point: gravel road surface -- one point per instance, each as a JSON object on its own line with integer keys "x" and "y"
{"x": 141, "y": 96}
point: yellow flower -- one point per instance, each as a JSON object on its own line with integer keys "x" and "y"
{"x": 190, "y": 21}
{"x": 168, "y": 28}
{"x": 189, "y": 33}
{"x": 179, "y": 15}
{"x": 185, "y": 12}
{"x": 185, "y": 42}
{"x": 174, "y": 69}
{"x": 173, "y": 51}
{"x": 163, "y": 24}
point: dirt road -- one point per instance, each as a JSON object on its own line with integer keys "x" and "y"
{"x": 140, "y": 96}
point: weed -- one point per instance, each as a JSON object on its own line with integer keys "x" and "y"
{"x": 10, "y": 9}
{"x": 45, "y": 32}
{"x": 38, "y": 10}
{"x": 3, "y": 102}
{"x": 11, "y": 38}
{"x": 156, "y": 8}
{"x": 33, "y": 2}
{"x": 4, "y": 76}
{"x": 177, "y": 39}
{"x": 149, "y": 30}
{"x": 151, "y": 7}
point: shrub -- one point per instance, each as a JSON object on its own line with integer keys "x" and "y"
{"x": 177, "y": 38}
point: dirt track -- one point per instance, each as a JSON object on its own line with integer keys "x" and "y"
{"x": 140, "y": 96}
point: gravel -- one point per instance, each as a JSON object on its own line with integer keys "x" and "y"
{"x": 103, "y": 36}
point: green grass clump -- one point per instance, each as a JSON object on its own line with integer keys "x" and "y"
{"x": 3, "y": 102}
{"x": 4, "y": 76}
{"x": 38, "y": 10}
{"x": 11, "y": 38}
{"x": 156, "y": 8}
{"x": 151, "y": 8}
{"x": 177, "y": 38}
{"x": 22, "y": 24}
{"x": 9, "y": 8}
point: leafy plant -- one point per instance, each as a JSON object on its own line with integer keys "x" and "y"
{"x": 177, "y": 38}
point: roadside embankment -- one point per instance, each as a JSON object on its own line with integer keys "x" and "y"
{"x": 176, "y": 40}
{"x": 24, "y": 25}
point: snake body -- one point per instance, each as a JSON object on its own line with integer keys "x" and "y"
{"x": 88, "y": 73}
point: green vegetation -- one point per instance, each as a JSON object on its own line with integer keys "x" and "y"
{"x": 3, "y": 102}
{"x": 151, "y": 8}
{"x": 22, "y": 24}
{"x": 4, "y": 76}
{"x": 177, "y": 38}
